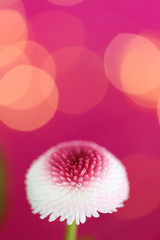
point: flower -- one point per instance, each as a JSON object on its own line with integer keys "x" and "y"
{"x": 75, "y": 180}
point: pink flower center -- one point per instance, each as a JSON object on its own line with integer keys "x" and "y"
{"x": 76, "y": 165}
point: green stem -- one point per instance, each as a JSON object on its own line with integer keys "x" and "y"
{"x": 71, "y": 232}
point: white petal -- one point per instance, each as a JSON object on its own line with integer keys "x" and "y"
{"x": 53, "y": 217}
{"x": 95, "y": 214}
{"x": 70, "y": 220}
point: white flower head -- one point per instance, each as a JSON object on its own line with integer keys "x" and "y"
{"x": 75, "y": 180}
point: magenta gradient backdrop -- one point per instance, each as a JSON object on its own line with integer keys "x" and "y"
{"x": 115, "y": 123}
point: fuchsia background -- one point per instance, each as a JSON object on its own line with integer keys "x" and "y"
{"x": 115, "y": 123}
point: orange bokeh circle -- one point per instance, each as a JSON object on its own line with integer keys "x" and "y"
{"x": 132, "y": 64}
{"x": 16, "y": 27}
{"x": 16, "y": 30}
{"x": 149, "y": 99}
{"x": 29, "y": 98}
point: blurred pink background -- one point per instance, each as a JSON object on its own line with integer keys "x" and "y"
{"x": 128, "y": 130}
